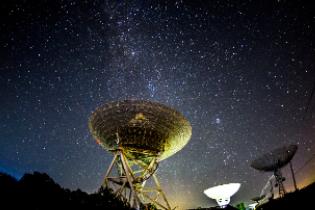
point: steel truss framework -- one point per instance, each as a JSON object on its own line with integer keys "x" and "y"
{"x": 279, "y": 182}
{"x": 127, "y": 178}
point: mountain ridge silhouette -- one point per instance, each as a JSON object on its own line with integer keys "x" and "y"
{"x": 39, "y": 191}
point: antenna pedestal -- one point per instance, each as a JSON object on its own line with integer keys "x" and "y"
{"x": 279, "y": 182}
{"x": 127, "y": 178}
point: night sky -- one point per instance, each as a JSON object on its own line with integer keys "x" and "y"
{"x": 241, "y": 72}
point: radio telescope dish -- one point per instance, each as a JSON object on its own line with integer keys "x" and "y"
{"x": 252, "y": 206}
{"x": 145, "y": 128}
{"x": 140, "y": 134}
{"x": 257, "y": 198}
{"x": 274, "y": 161}
{"x": 257, "y": 201}
{"x": 277, "y": 158}
{"x": 222, "y": 193}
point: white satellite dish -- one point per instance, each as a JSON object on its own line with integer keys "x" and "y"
{"x": 252, "y": 206}
{"x": 222, "y": 193}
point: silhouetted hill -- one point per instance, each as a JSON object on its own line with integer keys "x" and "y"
{"x": 39, "y": 191}
{"x": 302, "y": 199}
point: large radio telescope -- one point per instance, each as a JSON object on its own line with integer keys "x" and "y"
{"x": 140, "y": 134}
{"x": 274, "y": 161}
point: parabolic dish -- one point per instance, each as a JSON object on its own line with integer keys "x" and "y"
{"x": 222, "y": 191}
{"x": 143, "y": 128}
{"x": 257, "y": 198}
{"x": 275, "y": 159}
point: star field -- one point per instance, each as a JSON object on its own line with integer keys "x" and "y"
{"x": 242, "y": 72}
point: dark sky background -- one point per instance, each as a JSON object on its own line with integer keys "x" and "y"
{"x": 242, "y": 72}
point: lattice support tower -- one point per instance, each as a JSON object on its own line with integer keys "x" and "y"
{"x": 128, "y": 177}
{"x": 279, "y": 182}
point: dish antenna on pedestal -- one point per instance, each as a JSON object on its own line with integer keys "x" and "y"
{"x": 274, "y": 161}
{"x": 222, "y": 193}
{"x": 140, "y": 134}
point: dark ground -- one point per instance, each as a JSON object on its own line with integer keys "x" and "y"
{"x": 216, "y": 208}
{"x": 302, "y": 199}
{"x": 39, "y": 191}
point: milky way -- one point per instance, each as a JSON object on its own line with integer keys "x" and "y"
{"x": 241, "y": 72}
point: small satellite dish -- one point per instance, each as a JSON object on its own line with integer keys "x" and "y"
{"x": 222, "y": 193}
{"x": 274, "y": 161}
{"x": 257, "y": 201}
{"x": 252, "y": 206}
